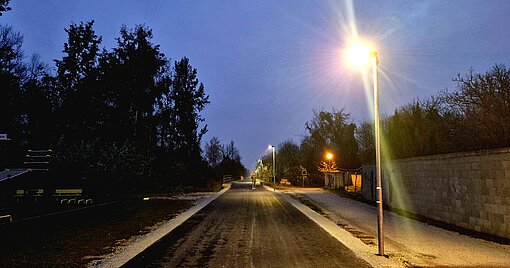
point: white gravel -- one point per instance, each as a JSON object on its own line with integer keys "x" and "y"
{"x": 409, "y": 241}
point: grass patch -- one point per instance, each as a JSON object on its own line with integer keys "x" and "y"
{"x": 68, "y": 240}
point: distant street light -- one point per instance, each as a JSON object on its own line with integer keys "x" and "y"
{"x": 359, "y": 55}
{"x": 329, "y": 156}
{"x": 274, "y": 162}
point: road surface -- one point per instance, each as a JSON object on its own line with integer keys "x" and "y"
{"x": 248, "y": 228}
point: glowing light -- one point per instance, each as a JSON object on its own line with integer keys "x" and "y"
{"x": 358, "y": 54}
{"x": 329, "y": 156}
{"x": 145, "y": 198}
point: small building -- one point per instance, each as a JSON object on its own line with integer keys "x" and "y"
{"x": 346, "y": 179}
{"x": 333, "y": 179}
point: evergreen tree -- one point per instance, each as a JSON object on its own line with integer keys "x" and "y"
{"x": 40, "y": 102}
{"x": 12, "y": 71}
{"x": 136, "y": 76}
{"x": 12, "y": 74}
{"x": 106, "y": 114}
{"x": 78, "y": 101}
{"x": 77, "y": 81}
{"x": 189, "y": 99}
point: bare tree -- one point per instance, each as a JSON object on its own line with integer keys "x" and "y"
{"x": 213, "y": 152}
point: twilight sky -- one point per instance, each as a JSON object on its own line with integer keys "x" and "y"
{"x": 267, "y": 64}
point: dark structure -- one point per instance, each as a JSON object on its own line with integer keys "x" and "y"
{"x": 27, "y": 193}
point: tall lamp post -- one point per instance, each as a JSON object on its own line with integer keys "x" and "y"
{"x": 359, "y": 55}
{"x": 274, "y": 162}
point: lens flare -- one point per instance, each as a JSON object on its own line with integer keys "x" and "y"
{"x": 358, "y": 54}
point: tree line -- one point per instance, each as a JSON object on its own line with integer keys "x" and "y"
{"x": 126, "y": 116}
{"x": 224, "y": 159}
{"x": 472, "y": 116}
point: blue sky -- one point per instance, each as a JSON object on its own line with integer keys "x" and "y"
{"x": 267, "y": 64}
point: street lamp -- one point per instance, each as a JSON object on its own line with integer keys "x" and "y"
{"x": 274, "y": 162}
{"x": 329, "y": 156}
{"x": 359, "y": 55}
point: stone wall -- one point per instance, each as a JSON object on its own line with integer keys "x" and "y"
{"x": 470, "y": 190}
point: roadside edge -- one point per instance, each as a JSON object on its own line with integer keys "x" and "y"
{"x": 128, "y": 252}
{"x": 361, "y": 250}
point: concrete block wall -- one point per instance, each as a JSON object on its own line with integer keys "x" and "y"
{"x": 470, "y": 190}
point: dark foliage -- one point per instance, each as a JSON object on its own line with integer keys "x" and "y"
{"x": 334, "y": 132}
{"x": 471, "y": 117}
{"x": 124, "y": 118}
{"x": 366, "y": 142}
{"x": 224, "y": 160}
{"x": 4, "y": 6}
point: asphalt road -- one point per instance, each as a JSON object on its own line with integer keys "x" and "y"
{"x": 248, "y": 228}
